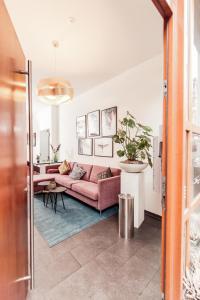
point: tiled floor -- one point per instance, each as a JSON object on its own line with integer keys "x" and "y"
{"x": 96, "y": 264}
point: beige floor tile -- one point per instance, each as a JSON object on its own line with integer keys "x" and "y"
{"x": 96, "y": 264}
{"x": 80, "y": 283}
{"x": 55, "y": 272}
{"x": 90, "y": 249}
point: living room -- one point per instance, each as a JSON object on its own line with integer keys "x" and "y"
{"x": 115, "y": 76}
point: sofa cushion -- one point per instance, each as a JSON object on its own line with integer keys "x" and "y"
{"x": 88, "y": 189}
{"x": 87, "y": 169}
{"x": 105, "y": 174}
{"x": 95, "y": 171}
{"x": 65, "y": 180}
{"x": 77, "y": 172}
{"x": 64, "y": 168}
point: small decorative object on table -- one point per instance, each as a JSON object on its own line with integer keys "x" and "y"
{"x": 55, "y": 151}
{"x": 135, "y": 139}
{"x": 51, "y": 185}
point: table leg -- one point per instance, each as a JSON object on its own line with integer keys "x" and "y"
{"x": 47, "y": 199}
{"x": 43, "y": 194}
{"x": 62, "y": 200}
{"x": 51, "y": 197}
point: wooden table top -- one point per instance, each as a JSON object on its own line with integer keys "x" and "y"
{"x": 44, "y": 183}
{"x": 58, "y": 189}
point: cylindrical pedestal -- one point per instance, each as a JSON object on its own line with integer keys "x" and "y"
{"x": 126, "y": 216}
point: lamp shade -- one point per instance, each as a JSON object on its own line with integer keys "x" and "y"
{"x": 55, "y": 90}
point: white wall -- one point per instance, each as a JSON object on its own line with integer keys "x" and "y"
{"x": 138, "y": 90}
{"x": 45, "y": 117}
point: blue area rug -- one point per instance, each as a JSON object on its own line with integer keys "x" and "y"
{"x": 57, "y": 227}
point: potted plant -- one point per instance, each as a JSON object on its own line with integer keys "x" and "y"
{"x": 55, "y": 151}
{"x": 135, "y": 140}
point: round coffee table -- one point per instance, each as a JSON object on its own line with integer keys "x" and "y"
{"x": 44, "y": 184}
{"x": 55, "y": 192}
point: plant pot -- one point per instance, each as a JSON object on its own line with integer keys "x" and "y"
{"x": 133, "y": 167}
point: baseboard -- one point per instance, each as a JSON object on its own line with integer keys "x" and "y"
{"x": 152, "y": 215}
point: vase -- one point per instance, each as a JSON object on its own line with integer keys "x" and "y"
{"x": 55, "y": 158}
{"x": 133, "y": 167}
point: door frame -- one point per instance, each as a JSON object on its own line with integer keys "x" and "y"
{"x": 173, "y": 147}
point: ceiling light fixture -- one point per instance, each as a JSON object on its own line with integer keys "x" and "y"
{"x": 54, "y": 90}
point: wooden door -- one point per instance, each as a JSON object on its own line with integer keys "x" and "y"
{"x": 13, "y": 195}
{"x": 173, "y": 167}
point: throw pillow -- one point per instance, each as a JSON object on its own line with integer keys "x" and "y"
{"x": 64, "y": 168}
{"x": 105, "y": 174}
{"x": 77, "y": 172}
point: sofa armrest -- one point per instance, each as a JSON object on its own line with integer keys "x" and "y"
{"x": 52, "y": 167}
{"x": 108, "y": 191}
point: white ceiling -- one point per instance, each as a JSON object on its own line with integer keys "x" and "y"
{"x": 107, "y": 37}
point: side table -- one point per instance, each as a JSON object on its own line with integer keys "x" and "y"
{"x": 56, "y": 192}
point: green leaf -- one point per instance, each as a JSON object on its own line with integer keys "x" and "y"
{"x": 120, "y": 153}
{"x": 116, "y": 139}
{"x": 146, "y": 128}
{"x": 131, "y": 123}
{"x": 124, "y": 121}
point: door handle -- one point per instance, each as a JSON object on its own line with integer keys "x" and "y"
{"x": 30, "y": 182}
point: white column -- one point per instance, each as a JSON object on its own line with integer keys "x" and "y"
{"x": 133, "y": 183}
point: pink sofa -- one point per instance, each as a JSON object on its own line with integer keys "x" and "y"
{"x": 99, "y": 194}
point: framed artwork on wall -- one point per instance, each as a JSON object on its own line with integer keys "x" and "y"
{"x": 81, "y": 126}
{"x": 93, "y": 123}
{"x": 85, "y": 147}
{"x": 109, "y": 121}
{"x": 103, "y": 147}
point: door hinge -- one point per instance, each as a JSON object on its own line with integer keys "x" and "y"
{"x": 165, "y": 88}
{"x": 163, "y": 200}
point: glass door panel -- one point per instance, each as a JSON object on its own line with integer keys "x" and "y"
{"x": 195, "y": 165}
{"x": 195, "y": 53}
{"x": 191, "y": 246}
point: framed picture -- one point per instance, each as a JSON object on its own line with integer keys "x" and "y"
{"x": 103, "y": 147}
{"x": 81, "y": 126}
{"x": 85, "y": 147}
{"x": 109, "y": 121}
{"x": 93, "y": 123}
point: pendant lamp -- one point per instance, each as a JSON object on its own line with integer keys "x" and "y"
{"x": 54, "y": 90}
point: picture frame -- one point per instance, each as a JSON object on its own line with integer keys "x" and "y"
{"x": 109, "y": 122}
{"x": 81, "y": 126}
{"x": 103, "y": 147}
{"x": 93, "y": 123}
{"x": 85, "y": 146}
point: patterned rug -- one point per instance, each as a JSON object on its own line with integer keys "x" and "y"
{"x": 57, "y": 227}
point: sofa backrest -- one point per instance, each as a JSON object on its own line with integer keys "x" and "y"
{"x": 71, "y": 164}
{"x": 88, "y": 169}
{"x": 115, "y": 171}
{"x": 98, "y": 169}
